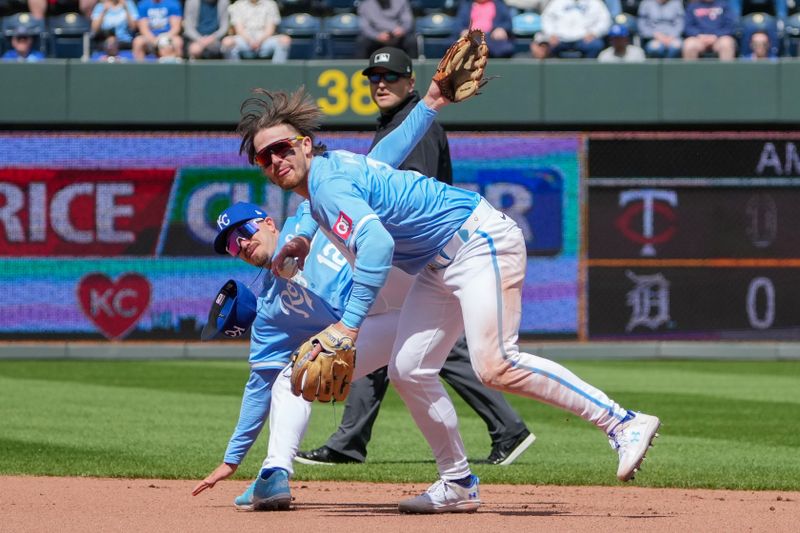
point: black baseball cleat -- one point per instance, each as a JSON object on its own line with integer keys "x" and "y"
{"x": 506, "y": 453}
{"x": 324, "y": 456}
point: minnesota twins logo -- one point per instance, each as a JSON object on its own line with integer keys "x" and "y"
{"x": 647, "y": 203}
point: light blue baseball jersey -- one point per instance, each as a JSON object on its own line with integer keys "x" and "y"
{"x": 289, "y": 312}
{"x": 383, "y": 216}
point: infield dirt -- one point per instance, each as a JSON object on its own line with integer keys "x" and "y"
{"x": 68, "y": 505}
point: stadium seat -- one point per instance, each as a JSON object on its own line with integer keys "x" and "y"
{"x": 791, "y": 35}
{"x": 304, "y": 29}
{"x": 756, "y": 22}
{"x": 631, "y": 7}
{"x": 524, "y": 26}
{"x": 333, "y": 7}
{"x": 69, "y": 35}
{"x": 341, "y": 31}
{"x": 425, "y": 7}
{"x": 435, "y": 32}
{"x": 290, "y": 7}
{"x": 36, "y": 26}
{"x": 777, "y": 8}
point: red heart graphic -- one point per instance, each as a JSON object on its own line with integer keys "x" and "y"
{"x": 114, "y": 307}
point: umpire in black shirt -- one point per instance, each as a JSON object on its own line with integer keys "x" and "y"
{"x": 392, "y": 87}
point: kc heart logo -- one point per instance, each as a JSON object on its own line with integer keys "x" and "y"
{"x": 114, "y": 307}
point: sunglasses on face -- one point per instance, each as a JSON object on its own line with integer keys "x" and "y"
{"x": 280, "y": 148}
{"x": 388, "y": 77}
{"x": 240, "y": 233}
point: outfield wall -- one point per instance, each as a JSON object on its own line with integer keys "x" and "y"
{"x": 524, "y": 94}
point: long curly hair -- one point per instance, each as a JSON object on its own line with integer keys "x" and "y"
{"x": 267, "y": 109}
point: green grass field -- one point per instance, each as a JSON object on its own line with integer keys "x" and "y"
{"x": 725, "y": 425}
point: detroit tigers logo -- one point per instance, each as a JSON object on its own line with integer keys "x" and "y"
{"x": 343, "y": 226}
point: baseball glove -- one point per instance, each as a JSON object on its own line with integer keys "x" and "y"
{"x": 322, "y": 367}
{"x": 460, "y": 72}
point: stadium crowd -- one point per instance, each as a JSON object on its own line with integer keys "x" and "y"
{"x": 283, "y": 30}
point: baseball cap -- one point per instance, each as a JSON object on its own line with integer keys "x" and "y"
{"x": 23, "y": 31}
{"x": 232, "y": 313}
{"x": 618, "y": 30}
{"x": 392, "y": 59}
{"x": 233, "y": 216}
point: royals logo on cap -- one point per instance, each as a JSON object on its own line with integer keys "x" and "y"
{"x": 233, "y": 216}
{"x": 232, "y": 313}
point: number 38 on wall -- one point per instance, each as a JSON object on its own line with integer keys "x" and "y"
{"x": 344, "y": 94}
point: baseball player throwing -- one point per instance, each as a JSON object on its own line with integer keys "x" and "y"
{"x": 470, "y": 263}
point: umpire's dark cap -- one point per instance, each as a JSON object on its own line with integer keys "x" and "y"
{"x": 392, "y": 59}
{"x": 232, "y": 313}
{"x": 233, "y": 216}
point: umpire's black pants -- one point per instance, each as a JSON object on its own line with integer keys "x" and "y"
{"x": 366, "y": 395}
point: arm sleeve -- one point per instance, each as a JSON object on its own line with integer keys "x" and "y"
{"x": 306, "y": 225}
{"x": 224, "y": 22}
{"x": 728, "y": 26}
{"x": 191, "y": 14}
{"x": 691, "y": 25}
{"x": 395, "y": 147}
{"x": 503, "y": 19}
{"x": 406, "y": 18}
{"x": 374, "y": 250}
{"x": 253, "y": 414}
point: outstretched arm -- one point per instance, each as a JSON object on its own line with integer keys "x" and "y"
{"x": 395, "y": 147}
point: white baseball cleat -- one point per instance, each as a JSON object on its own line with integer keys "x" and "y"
{"x": 444, "y": 497}
{"x": 631, "y": 438}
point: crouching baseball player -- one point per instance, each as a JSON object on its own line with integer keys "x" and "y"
{"x": 285, "y": 314}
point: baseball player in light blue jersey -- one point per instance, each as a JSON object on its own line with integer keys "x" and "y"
{"x": 289, "y": 311}
{"x": 470, "y": 262}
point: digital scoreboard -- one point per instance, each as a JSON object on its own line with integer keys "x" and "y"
{"x": 693, "y": 236}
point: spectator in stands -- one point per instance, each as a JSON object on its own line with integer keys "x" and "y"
{"x": 255, "y": 23}
{"x": 760, "y": 47}
{"x": 540, "y": 46}
{"x": 205, "y": 24}
{"x": 494, "y": 18}
{"x": 114, "y": 23}
{"x": 710, "y": 25}
{"x": 22, "y": 47}
{"x": 660, "y": 24}
{"x": 111, "y": 53}
{"x": 157, "y": 18}
{"x": 167, "y": 51}
{"x": 621, "y": 49}
{"x": 385, "y": 23}
{"x": 576, "y": 26}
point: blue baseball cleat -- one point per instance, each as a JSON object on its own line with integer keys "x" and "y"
{"x": 269, "y": 492}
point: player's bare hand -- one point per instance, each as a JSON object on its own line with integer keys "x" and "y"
{"x": 223, "y": 471}
{"x": 434, "y": 98}
{"x": 299, "y": 247}
{"x": 349, "y": 332}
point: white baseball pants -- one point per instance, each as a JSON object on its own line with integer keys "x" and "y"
{"x": 480, "y": 292}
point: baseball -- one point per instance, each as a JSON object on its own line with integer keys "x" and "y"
{"x": 288, "y": 269}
